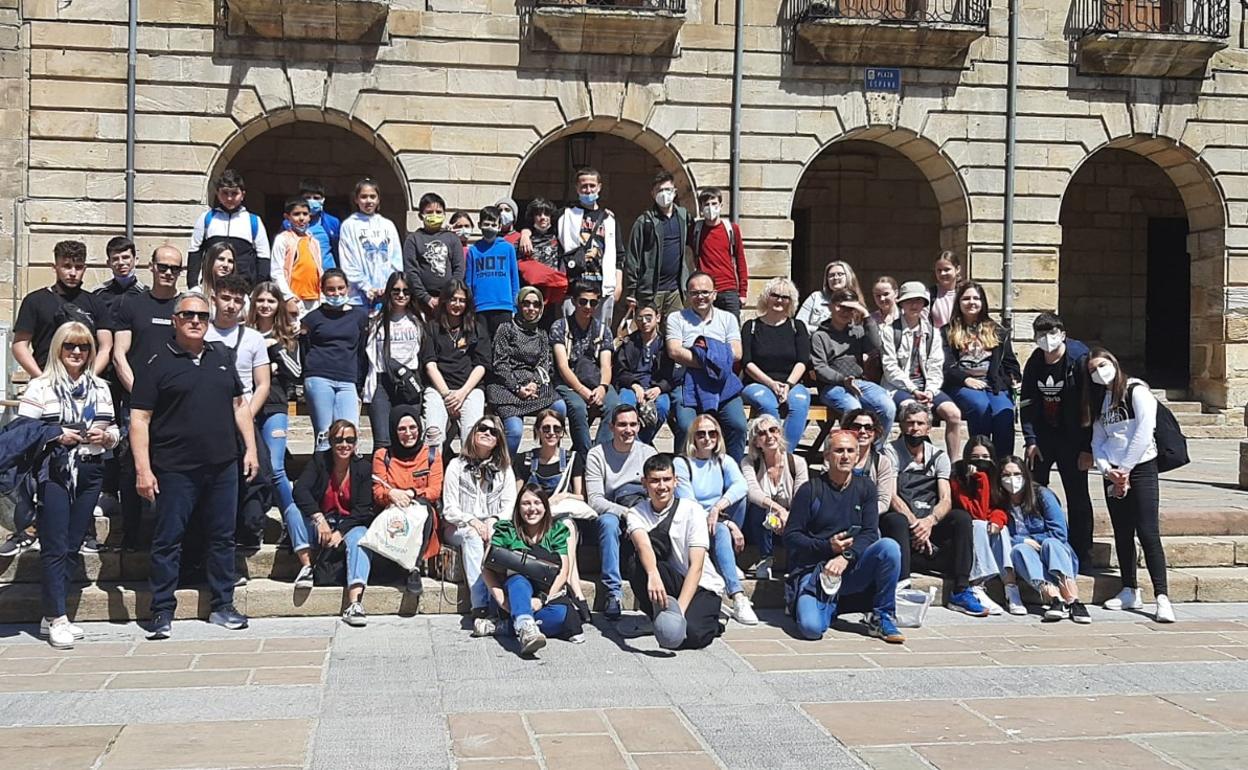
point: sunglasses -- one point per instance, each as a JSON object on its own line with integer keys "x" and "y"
{"x": 774, "y": 430}
{"x": 344, "y": 440}
{"x": 552, "y": 430}
{"x": 490, "y": 429}
{"x": 170, "y": 269}
{"x": 192, "y": 315}
{"x": 706, "y": 434}
{"x": 76, "y": 347}
{"x": 864, "y": 426}
{"x": 587, "y": 302}
{"x": 781, "y": 297}
{"x": 399, "y": 291}
{"x": 530, "y": 303}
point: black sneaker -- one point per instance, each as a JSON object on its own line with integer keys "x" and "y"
{"x": 582, "y": 609}
{"x": 1079, "y": 613}
{"x": 161, "y": 626}
{"x": 17, "y": 542}
{"x": 89, "y": 545}
{"x": 415, "y": 583}
{"x": 228, "y": 617}
{"x": 1057, "y": 611}
{"x": 613, "y": 610}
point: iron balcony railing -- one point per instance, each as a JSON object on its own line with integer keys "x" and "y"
{"x": 973, "y": 12}
{"x": 671, "y": 6}
{"x": 1206, "y": 18}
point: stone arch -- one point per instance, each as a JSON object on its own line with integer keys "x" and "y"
{"x": 281, "y": 147}
{"x": 628, "y": 155}
{"x": 847, "y": 197}
{"x": 1142, "y": 267}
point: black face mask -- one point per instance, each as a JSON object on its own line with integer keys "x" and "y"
{"x": 980, "y": 464}
{"x": 913, "y": 441}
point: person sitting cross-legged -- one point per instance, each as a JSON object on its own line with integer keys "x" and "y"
{"x": 837, "y": 558}
{"x": 582, "y": 357}
{"x": 675, "y": 583}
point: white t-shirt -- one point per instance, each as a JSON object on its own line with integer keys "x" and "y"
{"x": 686, "y": 326}
{"x": 249, "y": 348}
{"x": 688, "y": 530}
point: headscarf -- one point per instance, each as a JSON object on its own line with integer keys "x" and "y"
{"x": 524, "y": 293}
{"x": 397, "y": 450}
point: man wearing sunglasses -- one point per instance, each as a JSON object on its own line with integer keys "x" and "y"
{"x": 583, "y": 349}
{"x": 187, "y": 415}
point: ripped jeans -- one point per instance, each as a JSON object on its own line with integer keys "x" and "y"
{"x": 273, "y": 428}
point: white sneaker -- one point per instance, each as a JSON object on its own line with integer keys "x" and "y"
{"x": 1127, "y": 599}
{"x": 1014, "y": 600}
{"x": 60, "y": 636}
{"x": 992, "y": 607}
{"x": 45, "y": 629}
{"x": 762, "y": 570}
{"x": 304, "y": 581}
{"x": 903, "y": 584}
{"x": 483, "y": 627}
{"x": 743, "y": 611}
{"x": 1165, "y": 612}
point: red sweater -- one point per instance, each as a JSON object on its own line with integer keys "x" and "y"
{"x": 978, "y": 502}
{"x": 713, "y": 257}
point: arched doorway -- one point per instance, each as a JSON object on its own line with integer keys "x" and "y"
{"x": 273, "y": 162}
{"x": 627, "y": 170}
{"x": 887, "y": 204}
{"x": 1125, "y": 276}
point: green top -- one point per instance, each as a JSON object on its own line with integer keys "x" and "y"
{"x": 507, "y": 536}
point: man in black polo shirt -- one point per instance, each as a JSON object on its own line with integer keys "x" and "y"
{"x": 187, "y": 412}
{"x": 44, "y": 310}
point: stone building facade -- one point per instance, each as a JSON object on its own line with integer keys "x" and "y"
{"x": 1132, "y": 181}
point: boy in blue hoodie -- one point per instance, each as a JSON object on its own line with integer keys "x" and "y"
{"x": 492, "y": 272}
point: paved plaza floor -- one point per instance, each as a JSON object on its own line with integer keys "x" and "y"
{"x": 420, "y": 693}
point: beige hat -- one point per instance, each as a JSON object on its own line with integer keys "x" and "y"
{"x": 913, "y": 290}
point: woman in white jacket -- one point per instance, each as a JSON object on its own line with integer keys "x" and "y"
{"x": 479, "y": 487}
{"x": 1122, "y": 412}
{"x": 911, "y": 375}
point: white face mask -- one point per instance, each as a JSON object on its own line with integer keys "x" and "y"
{"x": 664, "y": 198}
{"x": 1104, "y": 374}
{"x": 505, "y": 217}
{"x": 710, "y": 211}
{"x": 1051, "y": 341}
{"x": 1012, "y": 484}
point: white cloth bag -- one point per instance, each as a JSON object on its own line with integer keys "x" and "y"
{"x": 398, "y": 534}
{"x": 912, "y": 606}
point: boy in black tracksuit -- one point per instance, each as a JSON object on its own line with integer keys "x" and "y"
{"x": 1054, "y": 380}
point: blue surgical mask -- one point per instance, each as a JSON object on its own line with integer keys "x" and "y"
{"x": 588, "y": 199}
{"x": 315, "y": 206}
{"x": 126, "y": 280}
{"x": 337, "y": 301}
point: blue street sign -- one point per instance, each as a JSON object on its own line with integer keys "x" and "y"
{"x": 883, "y": 79}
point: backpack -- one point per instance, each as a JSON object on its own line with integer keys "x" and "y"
{"x": 1171, "y": 443}
{"x": 255, "y": 223}
{"x": 584, "y": 374}
{"x": 732, "y": 245}
{"x": 68, "y": 312}
{"x": 899, "y": 331}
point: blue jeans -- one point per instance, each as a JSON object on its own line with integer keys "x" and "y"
{"x": 270, "y": 426}
{"x": 662, "y": 405}
{"x": 609, "y": 529}
{"x": 513, "y": 427}
{"x": 330, "y": 400}
{"x": 988, "y": 414}
{"x": 472, "y": 557}
{"x": 873, "y": 397}
{"x": 520, "y": 595}
{"x": 764, "y": 399}
{"x": 731, "y": 416}
{"x": 62, "y": 520}
{"x": 211, "y": 494}
{"x": 722, "y": 555}
{"x": 875, "y": 572}
{"x": 359, "y": 560}
{"x": 756, "y": 533}
{"x": 579, "y": 417}
{"x": 1053, "y": 563}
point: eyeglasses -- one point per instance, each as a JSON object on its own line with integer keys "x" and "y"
{"x": 552, "y": 430}
{"x": 350, "y": 440}
{"x": 531, "y": 303}
{"x": 170, "y": 269}
{"x": 587, "y": 302}
{"x": 399, "y": 291}
{"x": 490, "y": 429}
{"x": 701, "y": 293}
{"x": 780, "y": 297}
{"x": 76, "y": 347}
{"x": 192, "y": 315}
{"x": 706, "y": 434}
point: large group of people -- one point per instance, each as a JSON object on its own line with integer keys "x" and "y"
{"x": 178, "y": 401}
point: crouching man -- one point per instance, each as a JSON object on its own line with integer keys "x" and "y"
{"x": 674, "y": 582}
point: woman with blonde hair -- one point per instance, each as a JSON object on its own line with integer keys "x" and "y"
{"x": 69, "y": 396}
{"x": 774, "y": 350}
{"x": 838, "y": 275}
{"x": 707, "y": 474}
{"x": 980, "y": 368}
{"x": 269, "y": 317}
{"x": 772, "y": 475}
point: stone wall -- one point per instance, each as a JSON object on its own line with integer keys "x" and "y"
{"x": 13, "y": 96}
{"x": 457, "y": 100}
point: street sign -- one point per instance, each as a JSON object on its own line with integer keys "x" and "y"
{"x": 883, "y": 79}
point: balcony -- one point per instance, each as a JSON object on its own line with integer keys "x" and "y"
{"x": 901, "y": 33}
{"x": 1149, "y": 38}
{"x": 341, "y": 21}
{"x": 622, "y": 27}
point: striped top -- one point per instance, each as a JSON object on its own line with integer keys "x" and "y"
{"x": 85, "y": 403}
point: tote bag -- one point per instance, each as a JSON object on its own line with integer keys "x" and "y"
{"x": 398, "y": 534}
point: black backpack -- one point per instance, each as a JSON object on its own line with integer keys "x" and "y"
{"x": 1171, "y": 443}
{"x": 67, "y": 312}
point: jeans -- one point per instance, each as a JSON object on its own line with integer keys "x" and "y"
{"x": 62, "y": 522}
{"x": 273, "y": 429}
{"x": 875, "y": 572}
{"x": 991, "y": 552}
{"x": 988, "y": 414}
{"x": 551, "y": 617}
{"x": 722, "y": 554}
{"x": 662, "y": 406}
{"x": 513, "y": 427}
{"x": 379, "y": 410}
{"x": 1053, "y": 563}
{"x": 1065, "y": 453}
{"x": 437, "y": 418}
{"x": 609, "y": 529}
{"x": 729, "y": 301}
{"x": 952, "y": 538}
{"x": 579, "y": 417}
{"x": 873, "y": 397}
{"x": 731, "y": 416}
{"x": 764, "y": 399}
{"x": 472, "y": 556}
{"x": 702, "y": 617}
{"x": 330, "y": 400}
{"x": 359, "y": 560}
{"x": 756, "y": 534}
{"x": 209, "y": 493}
{"x": 1136, "y": 515}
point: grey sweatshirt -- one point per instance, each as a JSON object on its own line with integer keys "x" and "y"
{"x": 837, "y": 355}
{"x": 607, "y": 470}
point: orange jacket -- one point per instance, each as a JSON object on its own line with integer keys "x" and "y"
{"x": 422, "y": 475}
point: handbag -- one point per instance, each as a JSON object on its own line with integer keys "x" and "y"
{"x": 404, "y": 379}
{"x": 329, "y": 567}
{"x": 540, "y": 572}
{"x": 398, "y": 534}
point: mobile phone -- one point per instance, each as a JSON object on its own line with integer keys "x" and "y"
{"x": 852, "y": 531}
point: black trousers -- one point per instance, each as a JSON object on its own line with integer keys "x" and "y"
{"x": 1138, "y": 515}
{"x": 1064, "y": 452}
{"x": 702, "y": 619}
{"x": 954, "y": 553}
